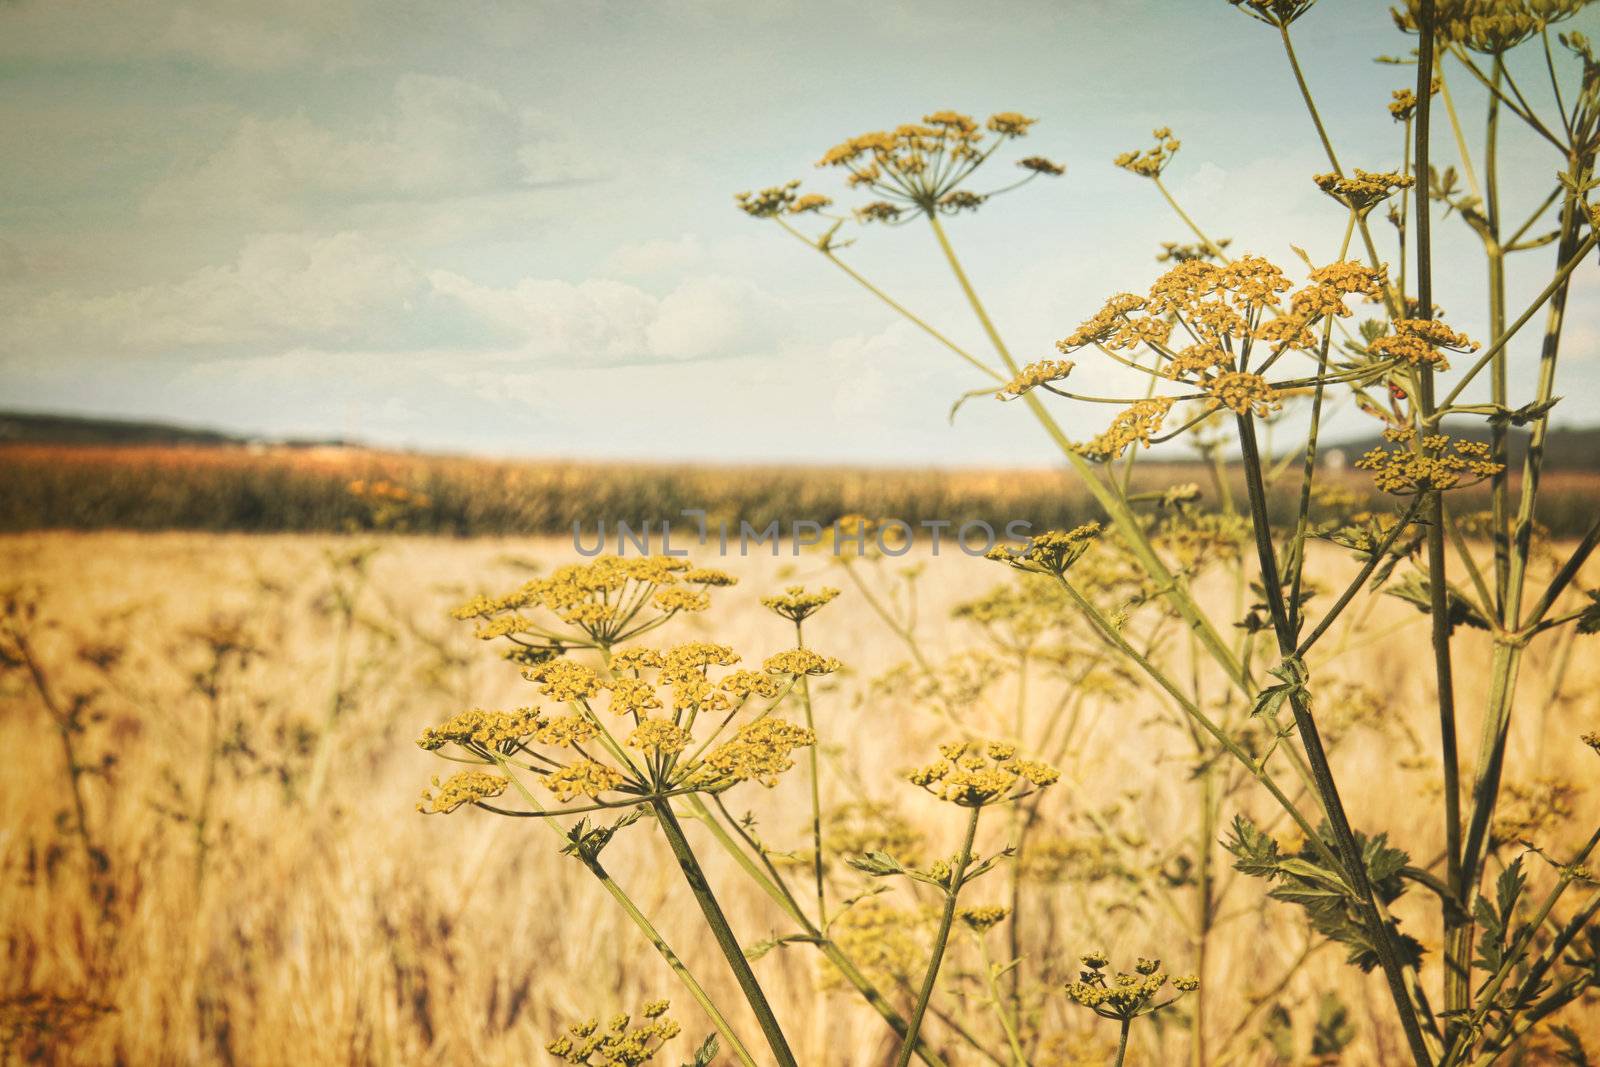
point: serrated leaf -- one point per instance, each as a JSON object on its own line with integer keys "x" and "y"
{"x": 877, "y": 864}
{"x": 706, "y": 1053}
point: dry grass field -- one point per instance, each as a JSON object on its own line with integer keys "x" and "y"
{"x": 271, "y": 896}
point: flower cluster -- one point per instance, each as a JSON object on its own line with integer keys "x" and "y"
{"x": 1124, "y": 995}
{"x": 1034, "y": 375}
{"x": 659, "y": 695}
{"x": 601, "y": 603}
{"x": 1418, "y": 342}
{"x": 973, "y": 775}
{"x": 1279, "y": 13}
{"x": 981, "y": 918}
{"x": 1363, "y": 190}
{"x": 1436, "y": 462}
{"x": 785, "y": 199}
{"x": 797, "y": 605}
{"x": 619, "y": 1043}
{"x": 919, "y": 168}
{"x": 461, "y": 788}
{"x": 1051, "y": 552}
{"x": 1242, "y": 393}
{"x": 1491, "y": 27}
{"x": 1225, "y": 310}
{"x": 1150, "y": 162}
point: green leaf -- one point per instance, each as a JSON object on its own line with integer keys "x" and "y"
{"x": 705, "y": 1053}
{"x": 877, "y": 864}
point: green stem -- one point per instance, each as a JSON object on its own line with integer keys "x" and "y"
{"x": 1122, "y": 1043}
{"x": 816, "y": 791}
{"x": 825, "y": 945}
{"x": 722, "y": 932}
{"x": 930, "y": 979}
{"x": 642, "y": 921}
{"x": 1311, "y": 739}
{"x": 1217, "y": 733}
{"x": 1007, "y": 1023}
{"x": 1458, "y": 962}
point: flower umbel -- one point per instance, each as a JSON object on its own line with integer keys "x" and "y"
{"x": 974, "y": 775}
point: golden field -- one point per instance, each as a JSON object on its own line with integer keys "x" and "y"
{"x": 275, "y": 898}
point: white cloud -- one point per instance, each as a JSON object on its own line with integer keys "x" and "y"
{"x": 443, "y": 140}
{"x": 659, "y": 256}
{"x": 347, "y": 292}
{"x": 242, "y": 34}
{"x": 282, "y": 290}
{"x": 600, "y": 321}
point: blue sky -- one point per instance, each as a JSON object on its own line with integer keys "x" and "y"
{"x": 508, "y": 228}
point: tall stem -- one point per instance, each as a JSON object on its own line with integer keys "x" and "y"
{"x": 646, "y": 927}
{"x": 722, "y": 932}
{"x": 816, "y": 791}
{"x": 834, "y": 954}
{"x": 930, "y": 979}
{"x": 1354, "y": 865}
{"x": 1122, "y": 1043}
{"x": 1458, "y": 963}
{"x": 643, "y": 922}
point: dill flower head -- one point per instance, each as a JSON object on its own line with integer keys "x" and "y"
{"x": 982, "y": 918}
{"x": 1420, "y": 342}
{"x": 1243, "y": 393}
{"x": 974, "y": 775}
{"x": 1051, "y": 552}
{"x": 1363, "y": 190}
{"x": 920, "y": 168}
{"x": 1435, "y": 462}
{"x": 1033, "y": 375}
{"x": 759, "y": 751}
{"x": 596, "y": 604}
{"x": 797, "y": 605}
{"x": 1124, "y": 995}
{"x": 479, "y": 731}
{"x": 620, "y": 1042}
{"x": 800, "y": 661}
{"x": 1134, "y": 425}
{"x": 463, "y": 787}
{"x": 685, "y": 732}
{"x": 770, "y": 202}
{"x": 1491, "y": 27}
{"x": 1279, "y": 13}
{"x": 1150, "y": 162}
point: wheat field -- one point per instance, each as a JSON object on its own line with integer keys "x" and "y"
{"x": 250, "y": 921}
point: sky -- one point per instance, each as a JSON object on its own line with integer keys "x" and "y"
{"x": 509, "y": 228}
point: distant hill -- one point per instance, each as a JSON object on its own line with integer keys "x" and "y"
{"x": 1576, "y": 449}
{"x": 37, "y": 428}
